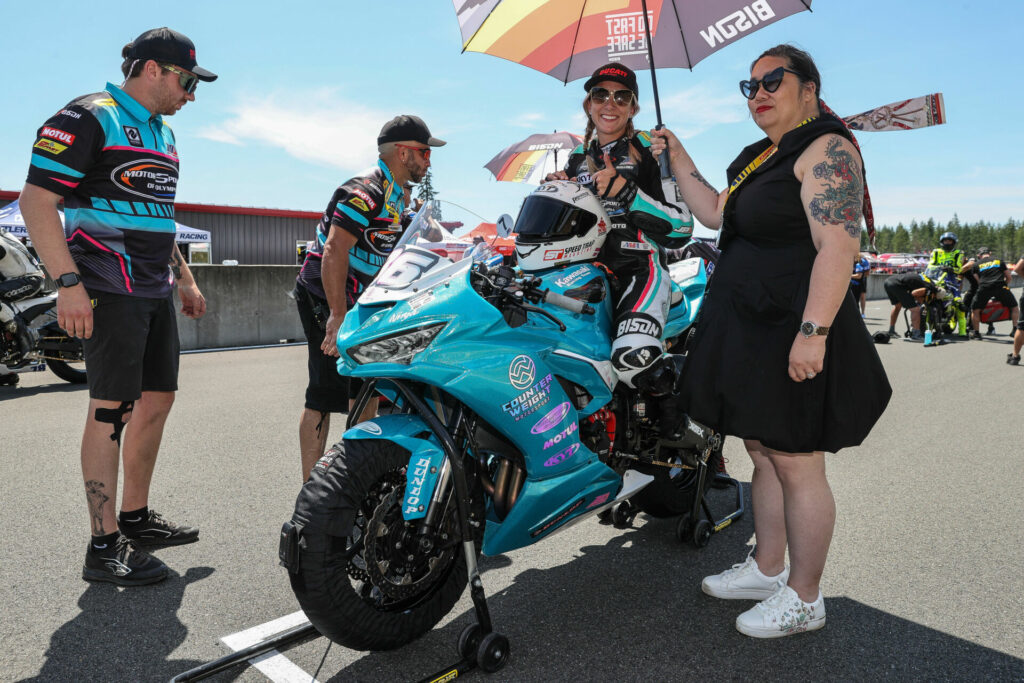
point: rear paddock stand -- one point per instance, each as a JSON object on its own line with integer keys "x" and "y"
{"x": 696, "y": 529}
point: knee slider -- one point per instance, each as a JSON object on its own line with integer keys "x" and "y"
{"x": 630, "y": 361}
{"x": 115, "y": 417}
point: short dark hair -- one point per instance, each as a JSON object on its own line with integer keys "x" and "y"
{"x": 130, "y": 67}
{"x": 799, "y": 61}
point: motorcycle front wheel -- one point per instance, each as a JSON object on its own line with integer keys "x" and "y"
{"x": 68, "y": 372}
{"x": 364, "y": 579}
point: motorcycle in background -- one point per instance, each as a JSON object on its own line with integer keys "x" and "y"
{"x": 51, "y": 347}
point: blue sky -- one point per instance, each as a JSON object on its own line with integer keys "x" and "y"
{"x": 304, "y": 88}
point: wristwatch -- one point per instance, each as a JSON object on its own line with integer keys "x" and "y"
{"x": 809, "y": 329}
{"x": 67, "y": 280}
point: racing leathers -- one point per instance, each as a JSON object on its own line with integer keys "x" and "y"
{"x": 642, "y": 224}
{"x": 20, "y": 278}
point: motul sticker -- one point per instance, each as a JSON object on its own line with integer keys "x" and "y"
{"x": 57, "y": 134}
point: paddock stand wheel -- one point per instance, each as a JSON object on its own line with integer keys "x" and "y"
{"x": 492, "y": 653}
{"x": 702, "y": 533}
{"x": 469, "y": 640}
{"x": 623, "y": 514}
{"x": 684, "y": 528}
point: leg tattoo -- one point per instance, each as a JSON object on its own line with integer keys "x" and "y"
{"x": 96, "y": 498}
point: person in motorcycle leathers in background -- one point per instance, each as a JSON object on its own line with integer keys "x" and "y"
{"x": 20, "y": 278}
{"x": 615, "y": 161}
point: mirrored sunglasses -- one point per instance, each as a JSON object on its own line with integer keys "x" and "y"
{"x": 623, "y": 98}
{"x": 425, "y": 151}
{"x": 770, "y": 81}
{"x": 189, "y": 82}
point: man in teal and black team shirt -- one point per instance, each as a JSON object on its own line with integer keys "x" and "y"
{"x": 358, "y": 230}
{"x": 112, "y": 160}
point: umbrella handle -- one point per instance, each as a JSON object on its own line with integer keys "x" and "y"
{"x": 666, "y": 168}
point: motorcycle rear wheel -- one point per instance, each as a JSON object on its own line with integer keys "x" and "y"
{"x": 335, "y": 585}
{"x": 67, "y": 372}
{"x": 672, "y": 491}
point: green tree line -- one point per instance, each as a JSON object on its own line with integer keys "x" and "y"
{"x": 1006, "y": 241}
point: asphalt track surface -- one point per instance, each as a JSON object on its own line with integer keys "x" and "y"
{"x": 924, "y": 579}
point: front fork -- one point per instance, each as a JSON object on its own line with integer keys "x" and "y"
{"x": 453, "y": 471}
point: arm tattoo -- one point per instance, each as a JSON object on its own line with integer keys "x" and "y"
{"x": 700, "y": 179}
{"x": 841, "y": 202}
{"x": 96, "y": 497}
{"x": 176, "y": 263}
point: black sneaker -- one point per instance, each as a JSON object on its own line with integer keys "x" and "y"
{"x": 123, "y": 564}
{"x": 976, "y": 335}
{"x": 8, "y": 379}
{"x": 1012, "y": 359}
{"x": 157, "y": 532}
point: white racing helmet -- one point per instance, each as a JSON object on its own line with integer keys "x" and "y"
{"x": 560, "y": 222}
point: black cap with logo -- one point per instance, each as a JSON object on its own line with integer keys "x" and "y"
{"x": 407, "y": 127}
{"x": 614, "y": 72}
{"x": 166, "y": 46}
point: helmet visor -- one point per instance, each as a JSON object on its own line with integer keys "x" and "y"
{"x": 545, "y": 219}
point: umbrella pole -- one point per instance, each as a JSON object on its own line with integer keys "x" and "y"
{"x": 666, "y": 170}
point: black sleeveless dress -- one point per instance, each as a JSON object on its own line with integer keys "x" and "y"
{"x": 736, "y": 379}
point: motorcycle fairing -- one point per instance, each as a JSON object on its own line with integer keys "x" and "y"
{"x": 426, "y": 456}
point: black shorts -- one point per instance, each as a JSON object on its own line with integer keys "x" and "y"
{"x": 900, "y": 294}
{"x": 857, "y": 288}
{"x": 327, "y": 391}
{"x": 999, "y": 292}
{"x": 133, "y": 348}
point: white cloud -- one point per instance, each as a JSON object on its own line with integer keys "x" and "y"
{"x": 527, "y": 120}
{"x": 325, "y": 129}
{"x": 694, "y": 110}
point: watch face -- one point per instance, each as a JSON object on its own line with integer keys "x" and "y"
{"x": 68, "y": 280}
{"x": 807, "y": 329}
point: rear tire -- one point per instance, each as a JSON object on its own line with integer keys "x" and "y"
{"x": 66, "y": 372}
{"x": 334, "y": 585}
{"x": 672, "y": 492}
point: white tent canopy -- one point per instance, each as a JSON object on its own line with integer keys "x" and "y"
{"x": 12, "y": 221}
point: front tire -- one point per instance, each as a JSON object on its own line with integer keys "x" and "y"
{"x": 348, "y": 583}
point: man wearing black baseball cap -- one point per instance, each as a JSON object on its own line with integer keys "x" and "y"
{"x": 358, "y": 229}
{"x": 114, "y": 163}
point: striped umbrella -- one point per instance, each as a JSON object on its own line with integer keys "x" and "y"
{"x": 529, "y": 160}
{"x": 569, "y": 39}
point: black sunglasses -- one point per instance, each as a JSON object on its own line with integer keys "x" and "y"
{"x": 623, "y": 98}
{"x": 770, "y": 81}
{"x": 189, "y": 82}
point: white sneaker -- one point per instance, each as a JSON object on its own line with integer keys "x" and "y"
{"x": 783, "y": 614}
{"x": 744, "y": 582}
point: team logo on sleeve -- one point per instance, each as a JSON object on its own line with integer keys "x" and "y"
{"x": 57, "y": 134}
{"x": 365, "y": 197}
{"x": 133, "y": 135}
{"x": 50, "y": 146}
{"x": 358, "y": 203}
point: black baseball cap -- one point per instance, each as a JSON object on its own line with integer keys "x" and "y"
{"x": 407, "y": 127}
{"x": 614, "y": 72}
{"x": 166, "y": 46}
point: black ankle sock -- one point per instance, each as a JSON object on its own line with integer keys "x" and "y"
{"x": 101, "y": 543}
{"x": 133, "y": 517}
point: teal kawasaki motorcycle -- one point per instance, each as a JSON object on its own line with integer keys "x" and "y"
{"x": 506, "y": 425}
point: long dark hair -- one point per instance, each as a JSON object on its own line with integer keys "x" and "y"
{"x": 799, "y": 61}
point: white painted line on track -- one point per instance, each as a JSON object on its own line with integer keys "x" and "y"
{"x": 273, "y": 664}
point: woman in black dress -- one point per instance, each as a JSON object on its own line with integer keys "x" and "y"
{"x": 781, "y": 357}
